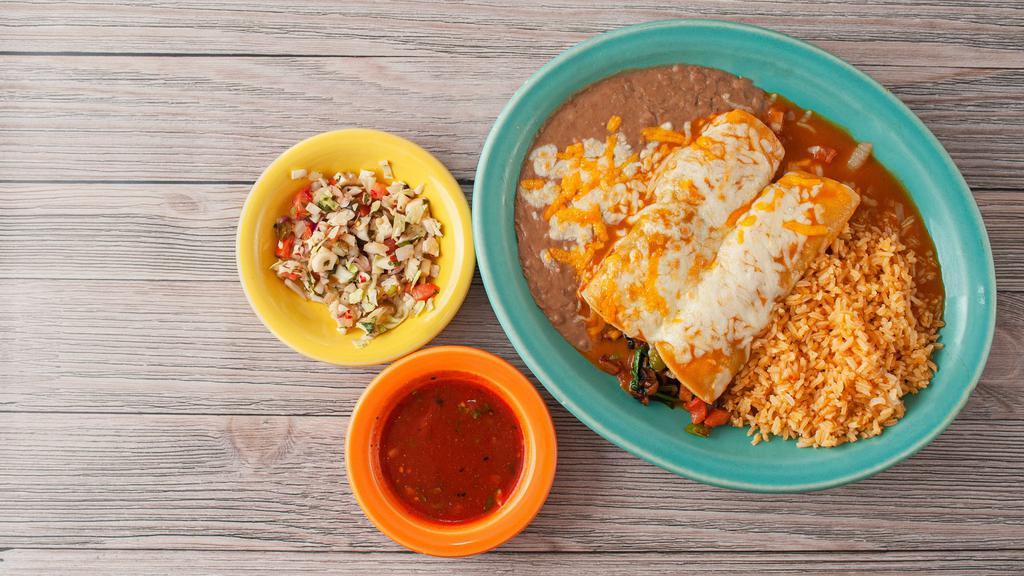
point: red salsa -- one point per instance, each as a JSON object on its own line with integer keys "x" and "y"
{"x": 451, "y": 451}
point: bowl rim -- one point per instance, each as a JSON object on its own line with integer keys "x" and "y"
{"x": 462, "y": 274}
{"x": 439, "y": 539}
{"x": 548, "y": 379}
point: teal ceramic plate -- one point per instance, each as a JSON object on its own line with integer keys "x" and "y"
{"x": 812, "y": 79}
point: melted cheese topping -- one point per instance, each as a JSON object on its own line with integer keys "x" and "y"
{"x": 603, "y": 178}
{"x": 756, "y": 266}
{"x": 640, "y": 282}
{"x": 723, "y": 169}
{"x": 643, "y": 279}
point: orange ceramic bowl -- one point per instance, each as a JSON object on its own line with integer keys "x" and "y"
{"x": 438, "y": 539}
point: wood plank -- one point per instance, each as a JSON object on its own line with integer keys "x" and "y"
{"x": 102, "y": 325}
{"x": 984, "y": 34}
{"x": 187, "y": 231}
{"x": 225, "y": 119}
{"x": 226, "y": 563}
{"x": 277, "y": 483}
{"x": 188, "y": 347}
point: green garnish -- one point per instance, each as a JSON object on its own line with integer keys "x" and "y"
{"x": 328, "y": 205}
{"x": 666, "y": 399}
{"x": 325, "y": 200}
{"x": 698, "y": 430}
{"x": 636, "y": 370}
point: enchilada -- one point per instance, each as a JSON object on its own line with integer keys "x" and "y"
{"x": 708, "y": 339}
{"x": 699, "y": 192}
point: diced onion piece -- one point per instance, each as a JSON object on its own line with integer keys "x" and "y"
{"x": 859, "y": 156}
{"x": 432, "y": 226}
{"x": 343, "y": 275}
{"x": 414, "y": 210}
{"x": 385, "y": 167}
{"x": 403, "y": 253}
{"x": 412, "y": 269}
{"x": 298, "y": 173}
{"x": 356, "y": 296}
{"x": 367, "y": 179}
{"x": 375, "y": 248}
{"x": 398, "y": 226}
{"x": 431, "y": 247}
{"x": 295, "y": 288}
{"x": 323, "y": 260}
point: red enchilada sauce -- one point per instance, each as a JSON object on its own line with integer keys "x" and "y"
{"x": 451, "y": 451}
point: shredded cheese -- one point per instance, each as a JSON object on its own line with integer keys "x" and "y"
{"x": 659, "y": 134}
{"x": 805, "y": 229}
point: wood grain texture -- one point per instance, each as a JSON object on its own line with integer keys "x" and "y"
{"x": 102, "y": 326}
{"x": 227, "y": 563}
{"x": 149, "y": 424}
{"x": 227, "y": 118}
{"x": 984, "y": 34}
{"x": 275, "y": 482}
{"x": 179, "y": 347}
{"x": 159, "y": 231}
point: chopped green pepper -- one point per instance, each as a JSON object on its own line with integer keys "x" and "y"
{"x": 698, "y": 430}
{"x": 666, "y": 399}
{"x": 636, "y": 370}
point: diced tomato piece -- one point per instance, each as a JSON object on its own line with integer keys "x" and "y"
{"x": 698, "y": 410}
{"x": 391, "y": 244}
{"x": 378, "y": 191}
{"x": 302, "y": 197}
{"x": 424, "y": 291}
{"x": 717, "y": 417}
{"x": 698, "y": 415}
{"x": 364, "y": 209}
{"x": 291, "y": 275}
{"x": 308, "y": 231}
{"x": 284, "y": 247}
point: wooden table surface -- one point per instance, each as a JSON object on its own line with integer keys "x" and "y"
{"x": 149, "y": 424}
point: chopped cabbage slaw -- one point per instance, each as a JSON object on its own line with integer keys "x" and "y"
{"x": 364, "y": 247}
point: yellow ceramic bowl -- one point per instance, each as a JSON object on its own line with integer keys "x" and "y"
{"x": 307, "y": 326}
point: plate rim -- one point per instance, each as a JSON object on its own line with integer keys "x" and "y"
{"x": 542, "y": 373}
